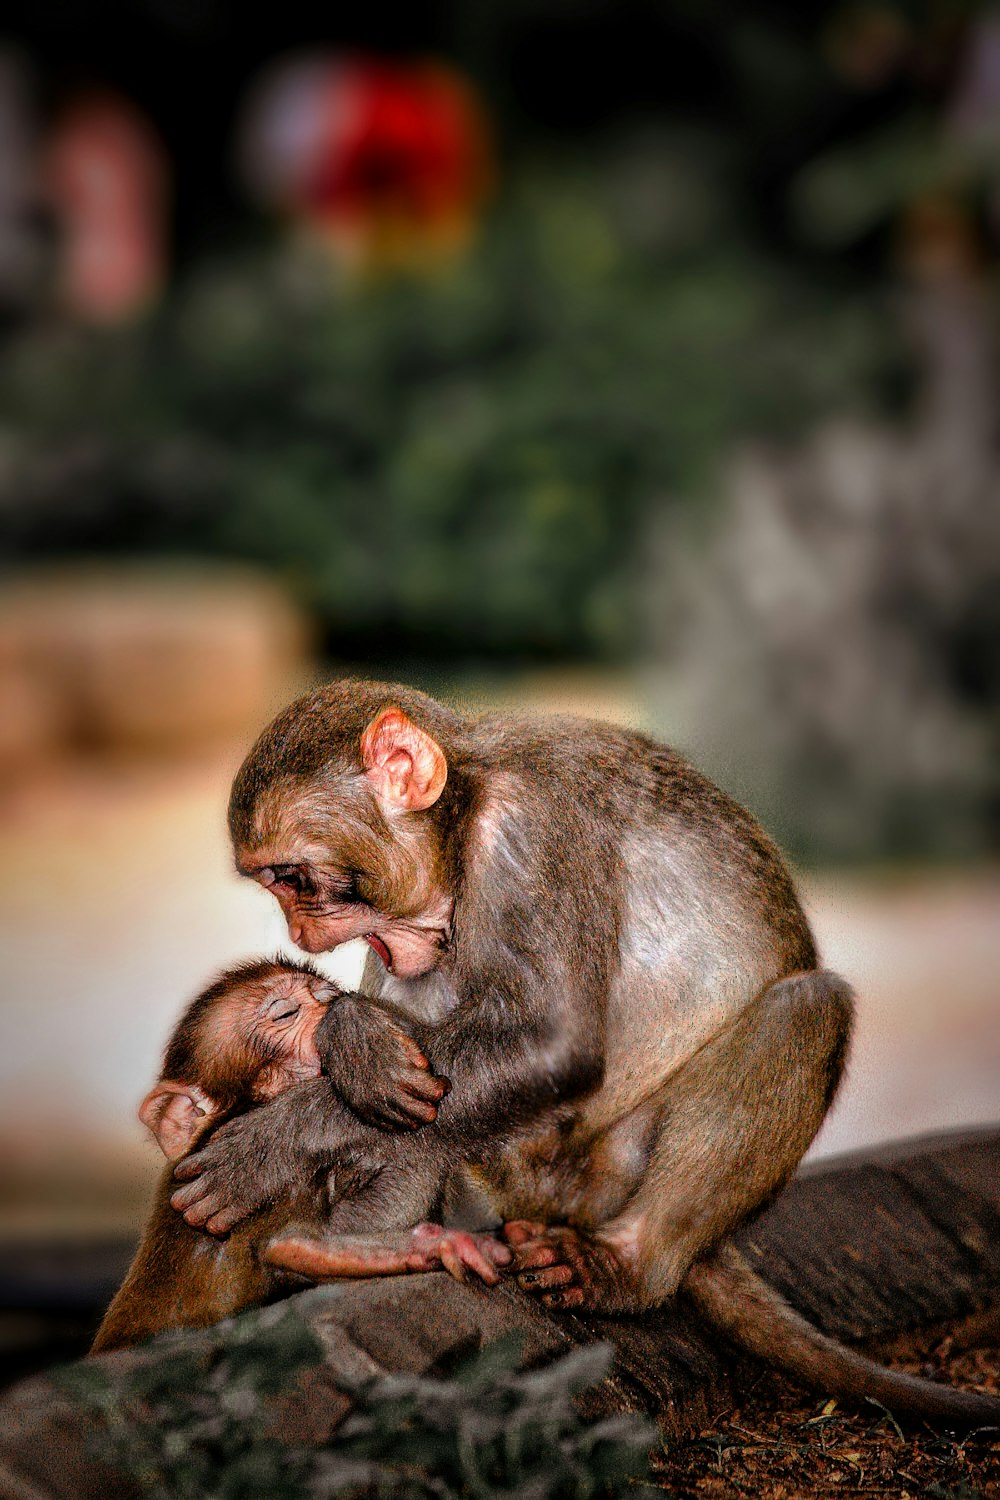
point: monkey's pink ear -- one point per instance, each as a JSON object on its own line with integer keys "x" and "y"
{"x": 175, "y": 1115}
{"x": 405, "y": 765}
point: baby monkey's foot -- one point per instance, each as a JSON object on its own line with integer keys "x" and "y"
{"x": 567, "y": 1269}
{"x": 429, "y": 1247}
{"x": 459, "y": 1252}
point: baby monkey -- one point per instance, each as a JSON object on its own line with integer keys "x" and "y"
{"x": 245, "y": 1039}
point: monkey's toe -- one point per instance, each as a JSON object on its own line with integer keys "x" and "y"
{"x": 459, "y": 1252}
{"x": 573, "y": 1296}
{"x": 453, "y": 1262}
{"x": 534, "y": 1254}
{"x": 542, "y": 1280}
{"x": 519, "y": 1231}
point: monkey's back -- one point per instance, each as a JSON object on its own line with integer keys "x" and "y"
{"x": 703, "y": 905}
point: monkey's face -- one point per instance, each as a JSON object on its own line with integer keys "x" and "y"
{"x": 351, "y": 855}
{"x": 278, "y": 1023}
{"x": 323, "y": 907}
{"x": 245, "y": 1040}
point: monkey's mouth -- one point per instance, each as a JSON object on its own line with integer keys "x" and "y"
{"x": 380, "y": 948}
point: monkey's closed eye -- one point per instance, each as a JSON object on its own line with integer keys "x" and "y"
{"x": 285, "y": 1015}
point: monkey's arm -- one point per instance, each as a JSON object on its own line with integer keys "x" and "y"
{"x": 516, "y": 1046}
{"x": 371, "y": 1055}
{"x": 536, "y": 943}
{"x": 527, "y": 1033}
{"x": 252, "y": 1159}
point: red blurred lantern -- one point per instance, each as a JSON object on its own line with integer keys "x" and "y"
{"x": 390, "y": 162}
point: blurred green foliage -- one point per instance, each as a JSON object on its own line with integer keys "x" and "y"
{"x": 461, "y": 465}
{"x": 187, "y": 1422}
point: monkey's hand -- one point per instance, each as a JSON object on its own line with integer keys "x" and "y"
{"x": 567, "y": 1269}
{"x": 252, "y": 1159}
{"x": 426, "y": 1248}
{"x": 375, "y": 1065}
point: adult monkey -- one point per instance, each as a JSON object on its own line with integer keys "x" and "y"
{"x": 605, "y": 956}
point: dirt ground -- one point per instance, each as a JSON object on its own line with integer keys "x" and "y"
{"x": 779, "y": 1444}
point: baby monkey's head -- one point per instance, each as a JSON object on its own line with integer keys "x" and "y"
{"x": 248, "y": 1036}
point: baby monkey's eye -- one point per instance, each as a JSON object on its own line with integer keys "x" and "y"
{"x": 284, "y": 1010}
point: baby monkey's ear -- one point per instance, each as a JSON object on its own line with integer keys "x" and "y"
{"x": 175, "y": 1114}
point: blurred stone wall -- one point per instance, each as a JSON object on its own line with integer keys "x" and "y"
{"x": 140, "y": 660}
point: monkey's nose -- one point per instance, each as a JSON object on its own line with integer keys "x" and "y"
{"x": 295, "y": 933}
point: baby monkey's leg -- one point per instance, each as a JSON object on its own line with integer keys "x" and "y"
{"x": 428, "y": 1247}
{"x": 369, "y": 1230}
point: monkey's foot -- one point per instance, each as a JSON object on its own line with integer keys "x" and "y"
{"x": 426, "y": 1248}
{"x": 564, "y": 1268}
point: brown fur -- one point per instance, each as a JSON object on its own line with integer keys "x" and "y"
{"x": 222, "y": 1072}
{"x": 182, "y": 1277}
{"x": 626, "y": 1000}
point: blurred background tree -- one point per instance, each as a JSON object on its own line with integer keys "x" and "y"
{"x": 704, "y": 229}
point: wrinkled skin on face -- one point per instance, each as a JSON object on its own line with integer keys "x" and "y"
{"x": 281, "y": 1024}
{"x": 352, "y": 853}
{"x": 323, "y": 908}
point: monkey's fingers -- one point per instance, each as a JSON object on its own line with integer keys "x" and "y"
{"x": 518, "y": 1231}
{"x": 412, "y": 1052}
{"x": 190, "y": 1166}
{"x": 427, "y": 1086}
{"x": 205, "y": 1202}
{"x": 195, "y": 1202}
{"x": 223, "y": 1220}
{"x": 403, "y": 1113}
{"x": 546, "y": 1278}
{"x": 412, "y": 1102}
{"x": 204, "y": 1210}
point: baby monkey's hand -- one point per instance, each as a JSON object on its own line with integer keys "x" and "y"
{"x": 378, "y": 1069}
{"x": 251, "y": 1160}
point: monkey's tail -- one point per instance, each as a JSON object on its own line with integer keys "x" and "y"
{"x": 736, "y": 1301}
